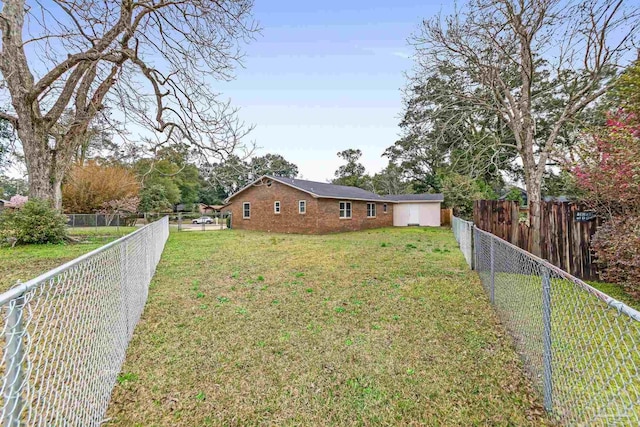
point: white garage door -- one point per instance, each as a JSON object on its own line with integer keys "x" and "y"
{"x": 424, "y": 214}
{"x": 414, "y": 215}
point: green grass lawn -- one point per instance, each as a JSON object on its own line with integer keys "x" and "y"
{"x": 107, "y": 232}
{"x": 616, "y": 291}
{"x": 383, "y": 327}
{"x": 23, "y": 263}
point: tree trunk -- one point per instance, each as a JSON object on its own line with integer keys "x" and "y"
{"x": 534, "y": 196}
{"x": 44, "y": 185}
{"x": 44, "y": 170}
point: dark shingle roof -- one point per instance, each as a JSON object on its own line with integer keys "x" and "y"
{"x": 416, "y": 197}
{"x": 324, "y": 189}
{"x": 332, "y": 191}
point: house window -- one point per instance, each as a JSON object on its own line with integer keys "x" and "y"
{"x": 384, "y": 208}
{"x": 302, "y": 206}
{"x": 276, "y": 207}
{"x": 371, "y": 210}
{"x": 246, "y": 210}
{"x": 345, "y": 209}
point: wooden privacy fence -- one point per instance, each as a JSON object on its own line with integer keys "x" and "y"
{"x": 446, "y": 215}
{"x": 566, "y": 232}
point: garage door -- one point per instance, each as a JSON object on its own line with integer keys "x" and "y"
{"x": 414, "y": 215}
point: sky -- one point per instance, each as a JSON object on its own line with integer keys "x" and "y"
{"x": 326, "y": 76}
{"x": 322, "y": 77}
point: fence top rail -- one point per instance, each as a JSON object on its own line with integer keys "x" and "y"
{"x": 461, "y": 220}
{"x": 25, "y": 287}
{"x": 611, "y": 302}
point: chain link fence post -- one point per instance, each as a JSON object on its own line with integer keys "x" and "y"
{"x": 124, "y": 272}
{"x": 66, "y": 331}
{"x": 476, "y": 251}
{"x": 547, "y": 360}
{"x": 579, "y": 346}
{"x": 492, "y": 283}
{"x": 13, "y": 362}
{"x": 472, "y": 259}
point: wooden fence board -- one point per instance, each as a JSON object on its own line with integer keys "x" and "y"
{"x": 565, "y": 242}
{"x": 446, "y": 216}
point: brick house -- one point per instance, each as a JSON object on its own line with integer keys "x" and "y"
{"x": 287, "y": 205}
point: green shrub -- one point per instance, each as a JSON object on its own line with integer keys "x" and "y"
{"x": 515, "y": 195}
{"x": 36, "y": 222}
{"x": 229, "y": 221}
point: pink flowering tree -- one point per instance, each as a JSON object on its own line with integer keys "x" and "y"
{"x": 609, "y": 174}
{"x": 122, "y": 206}
{"x": 609, "y": 169}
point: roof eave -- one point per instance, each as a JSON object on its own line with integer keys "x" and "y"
{"x": 275, "y": 178}
{"x": 317, "y": 196}
{"x": 420, "y": 201}
{"x": 359, "y": 199}
{"x": 228, "y": 199}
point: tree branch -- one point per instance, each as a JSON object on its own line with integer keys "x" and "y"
{"x": 10, "y": 118}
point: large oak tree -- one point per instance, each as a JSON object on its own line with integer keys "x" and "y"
{"x": 534, "y": 64}
{"x": 63, "y": 61}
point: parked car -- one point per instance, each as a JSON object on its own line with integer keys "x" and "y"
{"x": 203, "y": 220}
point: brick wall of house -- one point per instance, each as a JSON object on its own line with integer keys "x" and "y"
{"x": 329, "y": 212}
{"x": 322, "y": 216}
{"x": 263, "y": 218}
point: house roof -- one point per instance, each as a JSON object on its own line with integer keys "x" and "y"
{"x": 424, "y": 197}
{"x": 333, "y": 191}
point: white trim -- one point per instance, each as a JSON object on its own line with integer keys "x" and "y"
{"x": 277, "y": 212}
{"x": 374, "y": 209}
{"x": 244, "y": 210}
{"x": 345, "y": 209}
{"x": 357, "y": 199}
{"x": 418, "y": 201}
{"x": 300, "y": 202}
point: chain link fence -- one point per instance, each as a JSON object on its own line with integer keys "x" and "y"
{"x": 579, "y": 346}
{"x": 66, "y": 331}
{"x": 203, "y": 222}
{"x": 463, "y": 233}
{"x": 100, "y": 220}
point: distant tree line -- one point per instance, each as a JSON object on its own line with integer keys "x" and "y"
{"x": 168, "y": 181}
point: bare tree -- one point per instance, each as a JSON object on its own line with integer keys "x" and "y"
{"x": 62, "y": 61}
{"x": 535, "y": 64}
